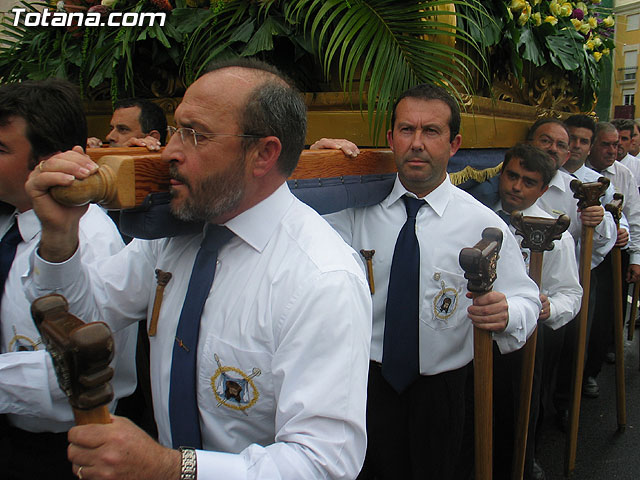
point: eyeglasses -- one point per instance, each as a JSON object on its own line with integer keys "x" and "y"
{"x": 189, "y": 136}
{"x": 546, "y": 142}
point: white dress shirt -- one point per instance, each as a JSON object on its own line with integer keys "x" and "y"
{"x": 288, "y": 318}
{"x": 558, "y": 200}
{"x": 29, "y": 391}
{"x": 451, "y": 221}
{"x": 624, "y": 183}
{"x": 560, "y": 280}
{"x": 633, "y": 164}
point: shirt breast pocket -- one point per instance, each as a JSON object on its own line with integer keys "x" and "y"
{"x": 444, "y": 304}
{"x": 235, "y": 382}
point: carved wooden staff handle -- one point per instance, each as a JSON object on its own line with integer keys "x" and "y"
{"x": 587, "y": 194}
{"x": 537, "y": 235}
{"x": 479, "y": 263}
{"x": 81, "y": 353}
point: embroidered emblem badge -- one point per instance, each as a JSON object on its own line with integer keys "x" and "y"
{"x": 22, "y": 343}
{"x": 445, "y": 302}
{"x": 233, "y": 388}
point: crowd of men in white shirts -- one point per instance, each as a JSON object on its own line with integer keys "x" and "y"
{"x": 297, "y": 409}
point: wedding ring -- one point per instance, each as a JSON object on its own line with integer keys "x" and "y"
{"x": 79, "y": 472}
{"x": 40, "y": 167}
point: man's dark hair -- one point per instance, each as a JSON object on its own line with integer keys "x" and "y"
{"x": 52, "y": 110}
{"x": 274, "y": 108}
{"x": 623, "y": 124}
{"x": 151, "y": 115}
{"x": 432, "y": 92}
{"x": 544, "y": 121}
{"x": 532, "y": 159}
{"x": 582, "y": 121}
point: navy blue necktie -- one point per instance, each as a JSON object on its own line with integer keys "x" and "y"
{"x": 8, "y": 246}
{"x": 400, "y": 355}
{"x": 183, "y": 401}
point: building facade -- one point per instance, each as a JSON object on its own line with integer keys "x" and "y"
{"x": 626, "y": 84}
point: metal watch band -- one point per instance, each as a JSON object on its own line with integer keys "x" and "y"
{"x": 189, "y": 465}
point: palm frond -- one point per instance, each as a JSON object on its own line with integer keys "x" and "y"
{"x": 389, "y": 44}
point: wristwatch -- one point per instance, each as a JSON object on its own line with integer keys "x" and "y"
{"x": 189, "y": 464}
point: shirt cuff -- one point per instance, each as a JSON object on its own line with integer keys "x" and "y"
{"x": 212, "y": 465}
{"x": 56, "y": 276}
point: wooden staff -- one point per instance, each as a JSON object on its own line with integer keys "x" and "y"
{"x": 538, "y": 235}
{"x": 479, "y": 263}
{"x": 588, "y": 194}
{"x": 634, "y": 311}
{"x": 81, "y": 353}
{"x": 126, "y": 176}
{"x": 615, "y": 208}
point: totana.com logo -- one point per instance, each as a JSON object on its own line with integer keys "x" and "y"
{"x": 47, "y": 18}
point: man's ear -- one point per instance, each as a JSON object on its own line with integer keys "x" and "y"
{"x": 390, "y": 139}
{"x": 455, "y": 145}
{"x": 154, "y": 133}
{"x": 265, "y": 155}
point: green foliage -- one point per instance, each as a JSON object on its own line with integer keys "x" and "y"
{"x": 572, "y": 38}
{"x": 377, "y": 48}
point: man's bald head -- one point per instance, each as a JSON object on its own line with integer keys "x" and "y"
{"x": 273, "y": 107}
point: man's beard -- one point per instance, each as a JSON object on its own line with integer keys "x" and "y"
{"x": 212, "y": 196}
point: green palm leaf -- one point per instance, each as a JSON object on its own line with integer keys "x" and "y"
{"x": 382, "y": 41}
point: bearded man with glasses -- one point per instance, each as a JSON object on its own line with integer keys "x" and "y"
{"x": 259, "y": 365}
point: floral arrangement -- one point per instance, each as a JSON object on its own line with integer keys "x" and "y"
{"x": 570, "y": 40}
{"x": 585, "y": 17}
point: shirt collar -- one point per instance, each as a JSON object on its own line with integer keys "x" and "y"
{"x": 256, "y": 225}
{"x": 558, "y": 182}
{"x": 438, "y": 199}
{"x": 28, "y": 224}
{"x": 611, "y": 168}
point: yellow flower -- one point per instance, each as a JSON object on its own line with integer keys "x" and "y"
{"x": 596, "y": 1}
{"x": 576, "y": 23}
{"x": 585, "y": 28}
{"x": 517, "y": 5}
{"x": 536, "y": 2}
{"x": 555, "y": 9}
{"x": 606, "y": 51}
{"x": 593, "y": 22}
{"x": 566, "y": 9}
{"x": 597, "y": 56}
{"x": 597, "y": 41}
{"x": 582, "y": 6}
{"x": 537, "y": 19}
{"x": 524, "y": 16}
{"x": 551, "y": 19}
{"x": 609, "y": 21}
{"x": 590, "y": 45}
